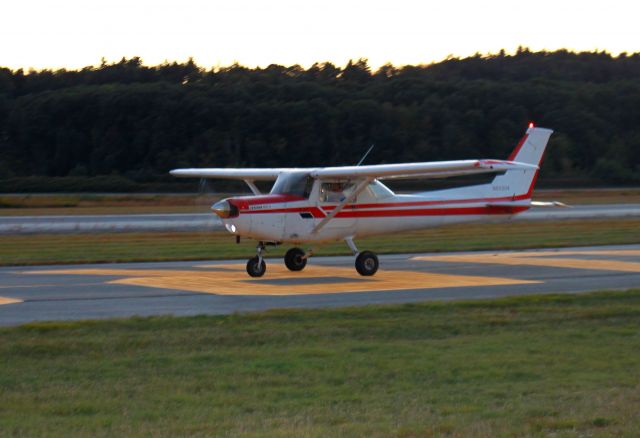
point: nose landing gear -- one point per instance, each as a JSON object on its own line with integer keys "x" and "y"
{"x": 256, "y": 267}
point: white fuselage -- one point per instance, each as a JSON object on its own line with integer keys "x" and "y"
{"x": 294, "y": 219}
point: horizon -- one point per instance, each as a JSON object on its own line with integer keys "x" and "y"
{"x": 73, "y": 34}
{"x": 373, "y": 69}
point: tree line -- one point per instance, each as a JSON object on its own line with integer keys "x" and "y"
{"x": 138, "y": 121}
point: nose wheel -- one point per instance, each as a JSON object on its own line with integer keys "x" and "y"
{"x": 256, "y": 267}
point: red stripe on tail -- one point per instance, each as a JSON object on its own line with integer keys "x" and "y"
{"x": 515, "y": 152}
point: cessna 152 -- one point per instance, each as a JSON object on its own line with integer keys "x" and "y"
{"x": 315, "y": 205}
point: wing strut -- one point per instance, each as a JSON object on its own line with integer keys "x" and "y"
{"x": 359, "y": 188}
{"x": 253, "y": 187}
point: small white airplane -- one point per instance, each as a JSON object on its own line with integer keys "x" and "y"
{"x": 316, "y": 205}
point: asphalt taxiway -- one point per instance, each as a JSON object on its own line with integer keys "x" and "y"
{"x": 190, "y": 288}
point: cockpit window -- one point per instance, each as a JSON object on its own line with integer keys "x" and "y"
{"x": 335, "y": 191}
{"x": 297, "y": 183}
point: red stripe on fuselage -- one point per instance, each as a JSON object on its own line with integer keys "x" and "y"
{"x": 395, "y": 212}
{"x": 462, "y": 211}
{"x": 244, "y": 202}
{"x": 425, "y": 203}
{"x": 315, "y": 212}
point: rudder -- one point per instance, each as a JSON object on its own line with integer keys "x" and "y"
{"x": 530, "y": 150}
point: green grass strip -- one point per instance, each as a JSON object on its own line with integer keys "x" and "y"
{"x": 151, "y": 246}
{"x": 563, "y": 365}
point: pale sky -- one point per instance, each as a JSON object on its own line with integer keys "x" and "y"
{"x": 77, "y": 33}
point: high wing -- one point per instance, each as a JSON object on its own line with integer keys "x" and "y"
{"x": 228, "y": 173}
{"x": 436, "y": 169}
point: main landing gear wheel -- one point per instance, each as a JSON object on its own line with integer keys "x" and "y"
{"x": 366, "y": 263}
{"x": 256, "y": 267}
{"x": 295, "y": 259}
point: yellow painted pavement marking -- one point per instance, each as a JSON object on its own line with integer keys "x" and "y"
{"x": 612, "y": 252}
{"x": 232, "y": 280}
{"x": 549, "y": 258}
{"x": 552, "y": 252}
{"x": 6, "y": 300}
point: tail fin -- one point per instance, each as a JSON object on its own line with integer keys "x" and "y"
{"x": 530, "y": 149}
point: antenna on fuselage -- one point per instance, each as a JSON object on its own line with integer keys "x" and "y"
{"x": 365, "y": 155}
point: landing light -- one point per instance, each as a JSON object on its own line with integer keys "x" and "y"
{"x": 530, "y": 124}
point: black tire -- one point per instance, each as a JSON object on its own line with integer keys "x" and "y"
{"x": 366, "y": 263}
{"x": 294, "y": 259}
{"x": 256, "y": 269}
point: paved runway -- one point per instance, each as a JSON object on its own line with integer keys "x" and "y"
{"x": 208, "y": 221}
{"x": 191, "y": 288}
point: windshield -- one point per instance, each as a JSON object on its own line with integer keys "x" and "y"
{"x": 297, "y": 183}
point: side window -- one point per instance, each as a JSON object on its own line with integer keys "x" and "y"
{"x": 335, "y": 191}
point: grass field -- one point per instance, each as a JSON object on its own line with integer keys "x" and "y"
{"x": 154, "y": 246}
{"x": 536, "y": 366}
{"x": 96, "y": 203}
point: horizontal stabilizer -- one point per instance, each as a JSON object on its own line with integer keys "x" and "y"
{"x": 549, "y": 204}
{"x": 505, "y": 204}
{"x": 524, "y": 203}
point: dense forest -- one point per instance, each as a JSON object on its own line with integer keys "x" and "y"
{"x": 125, "y": 123}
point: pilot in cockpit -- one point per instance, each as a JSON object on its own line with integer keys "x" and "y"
{"x": 333, "y": 192}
